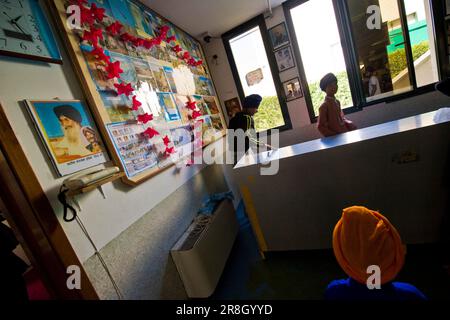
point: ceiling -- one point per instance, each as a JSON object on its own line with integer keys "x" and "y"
{"x": 213, "y": 16}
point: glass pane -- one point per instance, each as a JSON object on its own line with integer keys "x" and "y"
{"x": 420, "y": 33}
{"x": 320, "y": 48}
{"x": 380, "y": 46}
{"x": 256, "y": 77}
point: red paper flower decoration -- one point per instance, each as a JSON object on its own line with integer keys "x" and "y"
{"x": 169, "y": 151}
{"x": 144, "y": 118}
{"x": 136, "y": 103}
{"x": 157, "y": 40}
{"x": 186, "y": 55}
{"x": 164, "y": 29}
{"x": 125, "y": 89}
{"x": 86, "y": 16}
{"x": 151, "y": 132}
{"x": 99, "y": 53}
{"x": 199, "y": 63}
{"x": 196, "y": 114}
{"x": 93, "y": 36}
{"x": 191, "y": 105}
{"x": 114, "y": 28}
{"x": 138, "y": 42}
{"x": 176, "y": 48}
{"x": 79, "y": 2}
{"x": 148, "y": 44}
{"x": 170, "y": 39}
{"x": 191, "y": 62}
{"x": 126, "y": 37}
{"x": 114, "y": 70}
{"x": 97, "y": 13}
{"x": 166, "y": 140}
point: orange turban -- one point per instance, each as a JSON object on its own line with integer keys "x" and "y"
{"x": 363, "y": 237}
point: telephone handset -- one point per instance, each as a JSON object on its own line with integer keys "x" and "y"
{"x": 88, "y": 177}
{"x": 79, "y": 181}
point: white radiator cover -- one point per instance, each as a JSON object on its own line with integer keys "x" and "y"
{"x": 200, "y": 268}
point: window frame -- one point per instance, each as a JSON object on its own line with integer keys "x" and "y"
{"x": 260, "y": 22}
{"x": 351, "y": 55}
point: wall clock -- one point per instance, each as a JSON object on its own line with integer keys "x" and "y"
{"x": 25, "y": 33}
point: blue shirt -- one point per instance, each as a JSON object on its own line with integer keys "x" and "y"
{"x": 349, "y": 289}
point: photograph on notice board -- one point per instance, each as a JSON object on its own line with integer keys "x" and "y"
{"x": 97, "y": 71}
{"x": 160, "y": 77}
{"x": 170, "y": 79}
{"x": 217, "y": 122}
{"x": 203, "y": 86}
{"x": 279, "y": 36}
{"x": 182, "y": 138}
{"x": 181, "y": 102}
{"x": 129, "y": 73}
{"x": 121, "y": 12}
{"x": 201, "y": 105}
{"x": 168, "y": 104}
{"x": 285, "y": 59}
{"x": 211, "y": 105}
{"x": 137, "y": 154}
{"x": 68, "y": 134}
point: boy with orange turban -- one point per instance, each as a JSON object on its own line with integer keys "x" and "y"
{"x": 363, "y": 238}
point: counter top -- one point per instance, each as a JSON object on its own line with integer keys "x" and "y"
{"x": 381, "y": 130}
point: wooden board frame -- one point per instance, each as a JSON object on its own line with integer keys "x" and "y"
{"x": 95, "y": 102}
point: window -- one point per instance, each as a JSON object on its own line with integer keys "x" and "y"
{"x": 253, "y": 73}
{"x": 378, "y": 49}
{"x": 321, "y": 50}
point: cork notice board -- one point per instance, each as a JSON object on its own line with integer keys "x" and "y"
{"x": 163, "y": 82}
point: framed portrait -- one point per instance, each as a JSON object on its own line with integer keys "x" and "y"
{"x": 233, "y": 106}
{"x": 284, "y": 58}
{"x": 279, "y": 36}
{"x": 292, "y": 89}
{"x": 68, "y": 133}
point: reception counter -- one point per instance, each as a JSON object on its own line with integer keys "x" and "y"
{"x": 397, "y": 168}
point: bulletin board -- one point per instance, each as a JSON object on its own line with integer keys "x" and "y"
{"x": 147, "y": 83}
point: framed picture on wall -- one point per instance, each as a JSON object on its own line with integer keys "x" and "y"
{"x": 284, "y": 58}
{"x": 68, "y": 133}
{"x": 279, "y": 36}
{"x": 292, "y": 89}
{"x": 233, "y": 106}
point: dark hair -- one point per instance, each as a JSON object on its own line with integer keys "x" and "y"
{"x": 328, "y": 79}
{"x": 252, "y": 101}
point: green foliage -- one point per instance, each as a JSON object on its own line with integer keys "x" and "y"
{"x": 269, "y": 114}
{"x": 397, "y": 59}
{"x": 343, "y": 95}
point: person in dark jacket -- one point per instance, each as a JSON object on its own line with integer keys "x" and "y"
{"x": 244, "y": 120}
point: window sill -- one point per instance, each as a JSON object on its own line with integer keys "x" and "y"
{"x": 405, "y": 95}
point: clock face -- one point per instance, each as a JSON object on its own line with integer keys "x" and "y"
{"x": 20, "y": 31}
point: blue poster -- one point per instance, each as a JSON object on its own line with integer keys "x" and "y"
{"x": 121, "y": 12}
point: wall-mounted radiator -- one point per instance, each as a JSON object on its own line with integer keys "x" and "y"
{"x": 201, "y": 252}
